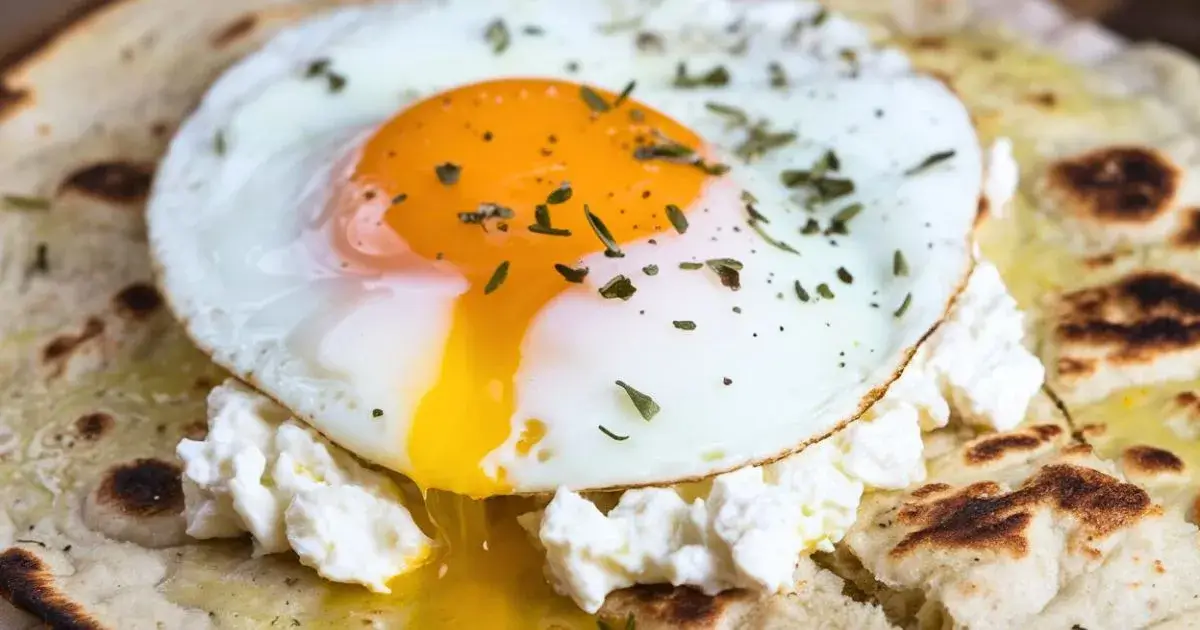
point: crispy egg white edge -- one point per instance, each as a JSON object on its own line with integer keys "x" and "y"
{"x": 278, "y": 60}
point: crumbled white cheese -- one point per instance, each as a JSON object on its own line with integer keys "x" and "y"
{"x": 755, "y": 523}
{"x": 260, "y": 472}
{"x": 1003, "y": 174}
{"x": 978, "y": 358}
{"x": 748, "y": 533}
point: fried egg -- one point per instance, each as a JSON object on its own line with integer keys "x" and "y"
{"x": 506, "y": 250}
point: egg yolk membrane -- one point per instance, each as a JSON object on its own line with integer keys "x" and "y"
{"x": 508, "y": 184}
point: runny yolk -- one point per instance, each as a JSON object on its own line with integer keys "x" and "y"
{"x": 510, "y": 144}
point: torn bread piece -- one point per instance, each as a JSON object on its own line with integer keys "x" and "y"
{"x": 1026, "y": 529}
{"x": 1141, "y": 328}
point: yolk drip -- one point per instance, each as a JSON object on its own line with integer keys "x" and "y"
{"x": 509, "y": 143}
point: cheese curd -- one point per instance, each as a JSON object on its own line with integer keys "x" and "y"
{"x": 260, "y": 472}
{"x": 755, "y": 523}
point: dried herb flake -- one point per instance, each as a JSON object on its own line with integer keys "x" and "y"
{"x": 644, "y": 403}
{"x": 497, "y": 279}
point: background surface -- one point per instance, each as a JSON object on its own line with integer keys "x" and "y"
{"x": 24, "y": 22}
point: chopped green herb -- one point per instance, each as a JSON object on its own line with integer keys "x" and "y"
{"x": 485, "y": 212}
{"x": 845, "y": 276}
{"x": 828, "y": 162}
{"x": 810, "y": 227}
{"x": 759, "y": 141}
{"x": 448, "y": 173}
{"x": 691, "y": 266}
{"x": 899, "y": 264}
{"x": 533, "y": 29}
{"x": 650, "y": 270}
{"x": 571, "y": 274}
{"x": 619, "y": 438}
{"x": 21, "y": 202}
{"x": 644, "y": 403}
{"x": 933, "y": 160}
{"x": 498, "y": 277}
{"x": 559, "y": 195}
{"x": 611, "y": 249}
{"x": 728, "y": 270}
{"x": 824, "y": 291}
{"x": 220, "y": 142}
{"x": 41, "y": 258}
{"x": 778, "y": 76}
{"x": 801, "y": 293}
{"x": 716, "y": 77}
{"x": 904, "y": 306}
{"x": 821, "y": 17}
{"x": 829, "y": 188}
{"x": 398, "y": 199}
{"x": 774, "y": 242}
{"x": 734, "y": 117}
{"x": 594, "y": 101}
{"x": 677, "y": 218}
{"x": 795, "y": 178}
{"x": 684, "y": 324}
{"x": 316, "y": 68}
{"x": 748, "y": 197}
{"x": 497, "y": 36}
{"x": 755, "y": 215}
{"x": 841, "y": 220}
{"x": 668, "y": 150}
{"x": 650, "y": 42}
{"x": 713, "y": 168}
{"x": 549, "y": 231}
{"x": 624, "y": 95}
{"x": 618, "y": 288}
{"x": 336, "y": 81}
{"x": 375, "y": 413}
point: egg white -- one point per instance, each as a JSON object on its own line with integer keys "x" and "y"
{"x": 236, "y": 227}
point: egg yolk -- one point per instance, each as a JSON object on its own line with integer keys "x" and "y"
{"x": 463, "y": 174}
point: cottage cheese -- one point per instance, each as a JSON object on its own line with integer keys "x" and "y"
{"x": 755, "y": 523}
{"x": 1003, "y": 174}
{"x": 260, "y": 472}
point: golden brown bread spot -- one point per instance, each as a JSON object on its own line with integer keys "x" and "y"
{"x": 1189, "y": 235}
{"x": 984, "y": 517}
{"x": 996, "y": 447}
{"x": 1148, "y": 459}
{"x": 10, "y": 99}
{"x": 138, "y": 300}
{"x": 26, "y": 582}
{"x": 144, "y": 487}
{"x": 1075, "y": 367}
{"x": 117, "y": 182}
{"x": 1100, "y": 261}
{"x": 1141, "y": 315}
{"x": 235, "y": 30}
{"x": 63, "y": 345}
{"x": 1045, "y": 99}
{"x": 930, "y": 43}
{"x": 1093, "y": 430}
{"x": 1126, "y": 184}
{"x": 94, "y": 426}
{"x": 679, "y": 605}
{"x": 930, "y": 488}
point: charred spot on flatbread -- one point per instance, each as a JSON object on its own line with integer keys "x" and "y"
{"x": 1140, "y": 329}
{"x": 138, "y": 300}
{"x": 1045, "y": 99}
{"x": 1117, "y": 184}
{"x": 144, "y": 487}
{"x": 116, "y": 182}
{"x": 996, "y": 447}
{"x": 10, "y": 99}
{"x": 1149, "y": 460}
{"x": 93, "y": 426}
{"x": 235, "y": 30}
{"x": 983, "y": 516}
{"x": 61, "y": 347}
{"x": 139, "y": 502}
{"x": 27, "y": 582}
{"x": 670, "y": 606}
{"x": 1188, "y": 236}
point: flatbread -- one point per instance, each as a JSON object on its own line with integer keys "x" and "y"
{"x": 97, "y": 383}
